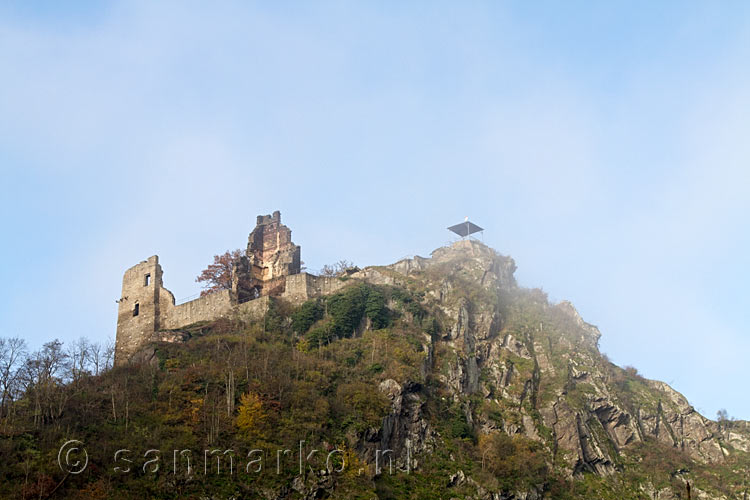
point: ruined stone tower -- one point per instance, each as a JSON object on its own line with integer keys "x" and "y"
{"x": 138, "y": 308}
{"x": 271, "y": 254}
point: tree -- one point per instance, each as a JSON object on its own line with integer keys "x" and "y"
{"x": 724, "y": 421}
{"x": 96, "y": 357}
{"x": 517, "y": 462}
{"x": 42, "y": 381}
{"x": 307, "y": 314}
{"x": 336, "y": 269}
{"x": 109, "y": 353}
{"x": 251, "y": 415}
{"x": 722, "y": 415}
{"x": 12, "y": 353}
{"x": 78, "y": 354}
{"x": 218, "y": 276}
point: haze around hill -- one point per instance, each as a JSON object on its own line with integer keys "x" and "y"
{"x": 603, "y": 147}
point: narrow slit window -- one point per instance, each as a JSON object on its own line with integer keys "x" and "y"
{"x": 136, "y": 309}
{"x": 147, "y": 281}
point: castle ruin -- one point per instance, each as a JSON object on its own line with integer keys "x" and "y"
{"x": 271, "y": 267}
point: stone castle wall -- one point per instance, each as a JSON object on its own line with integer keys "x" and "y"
{"x": 270, "y": 267}
{"x": 209, "y": 307}
{"x": 158, "y": 312}
{"x": 303, "y": 286}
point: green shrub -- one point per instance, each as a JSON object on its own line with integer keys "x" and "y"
{"x": 346, "y": 310}
{"x": 409, "y": 303}
{"x": 376, "y": 310}
{"x": 364, "y": 407}
{"x": 376, "y": 368}
{"x": 454, "y": 422}
{"x": 274, "y": 318}
{"x": 307, "y": 314}
{"x": 517, "y": 462}
{"x": 318, "y": 336}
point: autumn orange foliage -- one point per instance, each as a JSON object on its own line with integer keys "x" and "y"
{"x": 218, "y": 276}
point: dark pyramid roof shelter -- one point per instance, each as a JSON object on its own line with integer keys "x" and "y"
{"x": 465, "y": 228}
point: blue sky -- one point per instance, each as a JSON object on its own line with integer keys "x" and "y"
{"x": 604, "y": 146}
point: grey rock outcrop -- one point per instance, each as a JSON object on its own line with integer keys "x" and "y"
{"x": 581, "y": 408}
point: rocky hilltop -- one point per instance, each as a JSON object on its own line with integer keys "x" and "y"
{"x": 520, "y": 365}
{"x": 429, "y": 378}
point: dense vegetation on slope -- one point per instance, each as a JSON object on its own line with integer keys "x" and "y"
{"x": 457, "y": 377}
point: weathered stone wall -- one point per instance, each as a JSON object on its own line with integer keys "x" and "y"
{"x": 254, "y": 309}
{"x": 270, "y": 250}
{"x": 296, "y": 289}
{"x": 158, "y": 312}
{"x": 209, "y": 307}
{"x": 138, "y": 307}
{"x": 271, "y": 267}
{"x": 324, "y": 285}
{"x": 303, "y": 286}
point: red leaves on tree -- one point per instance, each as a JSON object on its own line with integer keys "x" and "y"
{"x": 218, "y": 276}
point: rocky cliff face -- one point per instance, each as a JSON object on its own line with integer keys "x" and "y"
{"x": 517, "y": 364}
